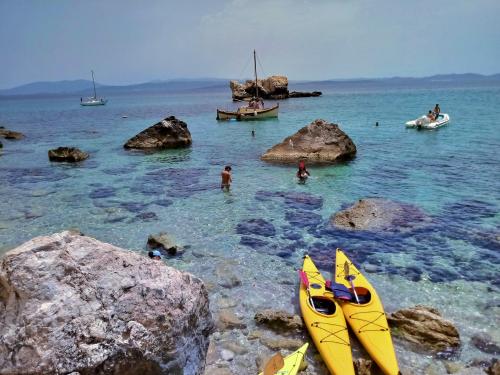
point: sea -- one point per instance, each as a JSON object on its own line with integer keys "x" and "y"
{"x": 258, "y": 232}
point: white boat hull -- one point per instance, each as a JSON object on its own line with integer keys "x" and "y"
{"x": 245, "y": 114}
{"x": 424, "y": 123}
{"x": 93, "y": 102}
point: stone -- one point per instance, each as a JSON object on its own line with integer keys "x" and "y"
{"x": 280, "y": 321}
{"x": 226, "y": 276}
{"x": 317, "y": 143}
{"x": 363, "y": 366}
{"x": 229, "y": 320}
{"x": 164, "y": 242}
{"x": 273, "y": 87}
{"x": 281, "y": 343}
{"x": 70, "y": 303}
{"x": 226, "y": 355}
{"x": 253, "y": 335}
{"x": 485, "y": 343}
{"x": 453, "y": 367}
{"x": 375, "y": 214}
{"x": 67, "y": 154}
{"x": 168, "y": 133}
{"x": 234, "y": 347}
{"x": 424, "y": 327}
{"x": 9, "y": 134}
{"x": 494, "y": 369}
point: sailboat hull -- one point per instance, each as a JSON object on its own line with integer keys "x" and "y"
{"x": 247, "y": 114}
{"x": 92, "y": 102}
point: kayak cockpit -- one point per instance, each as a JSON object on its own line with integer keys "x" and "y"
{"x": 324, "y": 305}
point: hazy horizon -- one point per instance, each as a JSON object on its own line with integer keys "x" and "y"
{"x": 126, "y": 42}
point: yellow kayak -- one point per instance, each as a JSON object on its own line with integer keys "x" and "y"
{"x": 367, "y": 319}
{"x": 325, "y": 321}
{"x": 293, "y": 363}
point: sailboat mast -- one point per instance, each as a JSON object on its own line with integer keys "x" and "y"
{"x": 255, "y": 73}
{"x": 95, "y": 95}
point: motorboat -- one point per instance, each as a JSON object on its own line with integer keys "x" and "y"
{"x": 425, "y": 123}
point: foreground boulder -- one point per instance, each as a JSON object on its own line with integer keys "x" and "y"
{"x": 9, "y": 134}
{"x": 424, "y": 327}
{"x": 318, "y": 142}
{"x": 274, "y": 87}
{"x": 380, "y": 214}
{"x": 168, "y": 133}
{"x": 67, "y": 154}
{"x": 70, "y": 303}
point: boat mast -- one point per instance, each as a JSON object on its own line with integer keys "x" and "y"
{"x": 95, "y": 95}
{"x": 255, "y": 73}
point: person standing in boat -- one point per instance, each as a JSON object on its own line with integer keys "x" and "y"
{"x": 437, "y": 111}
{"x": 226, "y": 178}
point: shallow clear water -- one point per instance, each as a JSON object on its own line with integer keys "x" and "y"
{"x": 452, "y": 174}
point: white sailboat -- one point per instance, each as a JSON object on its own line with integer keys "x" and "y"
{"x": 93, "y": 101}
{"x": 250, "y": 112}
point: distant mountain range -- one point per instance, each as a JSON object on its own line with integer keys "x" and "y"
{"x": 83, "y": 87}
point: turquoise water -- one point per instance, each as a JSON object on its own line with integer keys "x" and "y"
{"x": 121, "y": 197}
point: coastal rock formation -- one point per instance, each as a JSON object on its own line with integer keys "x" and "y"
{"x": 274, "y": 87}
{"x": 70, "y": 303}
{"x": 280, "y": 321}
{"x": 9, "y": 134}
{"x": 485, "y": 343}
{"x": 380, "y": 214}
{"x": 318, "y": 142}
{"x": 164, "y": 242}
{"x": 168, "y": 133}
{"x": 67, "y": 154}
{"x": 425, "y": 327}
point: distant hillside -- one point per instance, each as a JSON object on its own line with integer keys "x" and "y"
{"x": 57, "y": 87}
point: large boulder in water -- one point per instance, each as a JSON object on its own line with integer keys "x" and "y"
{"x": 70, "y": 303}
{"x": 273, "y": 87}
{"x": 168, "y": 133}
{"x": 424, "y": 327}
{"x": 318, "y": 142}
{"x": 67, "y": 154}
{"x": 380, "y": 214}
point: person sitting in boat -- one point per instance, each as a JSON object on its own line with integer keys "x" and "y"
{"x": 302, "y": 173}
{"x": 253, "y": 104}
{"x": 430, "y": 116}
{"x": 260, "y": 103}
{"x": 436, "y": 111}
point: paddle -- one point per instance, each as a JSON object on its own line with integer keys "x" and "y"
{"x": 275, "y": 364}
{"x": 350, "y": 278}
{"x": 305, "y": 281}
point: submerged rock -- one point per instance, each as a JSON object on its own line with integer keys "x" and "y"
{"x": 425, "y": 327}
{"x": 379, "y": 214}
{"x": 71, "y": 303}
{"x": 363, "y": 366}
{"x": 280, "y": 321}
{"x": 301, "y": 94}
{"x": 168, "y": 133}
{"x": 318, "y": 142}
{"x": 67, "y": 154}
{"x": 485, "y": 343}
{"x": 9, "y": 134}
{"x": 163, "y": 241}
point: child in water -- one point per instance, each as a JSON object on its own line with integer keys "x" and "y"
{"x": 302, "y": 173}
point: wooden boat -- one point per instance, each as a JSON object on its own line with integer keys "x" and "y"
{"x": 247, "y": 112}
{"x": 244, "y": 113}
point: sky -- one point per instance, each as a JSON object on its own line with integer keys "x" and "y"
{"x": 130, "y": 41}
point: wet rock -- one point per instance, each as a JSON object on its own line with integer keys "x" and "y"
{"x": 146, "y": 216}
{"x": 363, "y": 366}
{"x": 274, "y": 87}
{"x": 253, "y": 335}
{"x": 163, "y": 241}
{"x": 227, "y": 355}
{"x": 226, "y": 303}
{"x": 453, "y": 367}
{"x": 494, "y": 368}
{"x": 425, "y": 328}
{"x": 304, "y": 94}
{"x": 67, "y": 154}
{"x": 226, "y": 276}
{"x": 303, "y": 219}
{"x": 319, "y": 142}
{"x": 281, "y": 343}
{"x": 485, "y": 343}
{"x": 280, "y": 321}
{"x": 133, "y": 206}
{"x": 229, "y": 320}
{"x": 71, "y": 303}
{"x": 103, "y": 192}
{"x": 258, "y": 227}
{"x": 168, "y": 133}
{"x": 1, "y": 145}
{"x": 218, "y": 370}
{"x": 9, "y": 134}
{"x": 254, "y": 243}
{"x": 234, "y": 347}
{"x": 375, "y": 214}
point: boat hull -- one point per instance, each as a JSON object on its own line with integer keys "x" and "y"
{"x": 328, "y": 329}
{"x": 293, "y": 362}
{"x": 367, "y": 320}
{"x": 248, "y": 114}
{"x": 93, "y": 103}
{"x": 420, "y": 123}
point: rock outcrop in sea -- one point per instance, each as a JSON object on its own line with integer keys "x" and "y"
{"x": 73, "y": 304}
{"x": 424, "y": 327}
{"x": 274, "y": 87}
{"x": 67, "y": 154}
{"x": 319, "y": 142}
{"x": 10, "y": 134}
{"x": 168, "y": 133}
{"x": 380, "y": 214}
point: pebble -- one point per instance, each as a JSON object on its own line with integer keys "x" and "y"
{"x": 227, "y": 355}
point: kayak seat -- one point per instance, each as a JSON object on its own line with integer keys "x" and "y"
{"x": 364, "y": 295}
{"x": 340, "y": 291}
{"x": 324, "y": 305}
